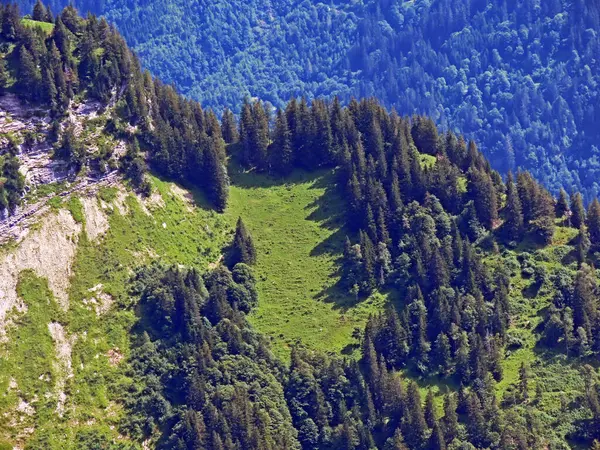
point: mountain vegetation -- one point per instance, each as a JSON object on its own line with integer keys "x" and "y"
{"x": 518, "y": 77}
{"x": 481, "y": 291}
{"x": 89, "y": 59}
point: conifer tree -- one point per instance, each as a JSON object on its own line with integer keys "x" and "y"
{"x": 3, "y": 76}
{"x": 513, "y": 211}
{"x": 243, "y": 246}
{"x": 524, "y": 382}
{"x": 583, "y": 245}
{"x": 30, "y": 76}
{"x": 562, "y": 204}
{"x": 217, "y": 181}
{"x": 39, "y": 12}
{"x": 430, "y": 416}
{"x": 585, "y": 311}
{"x": 450, "y": 420}
{"x": 577, "y": 210}
{"x": 396, "y": 442}
{"x": 228, "y": 127}
{"x": 593, "y": 223}
{"x": 483, "y": 194}
{"x": 281, "y": 152}
{"x": 416, "y": 427}
{"x": 436, "y": 440}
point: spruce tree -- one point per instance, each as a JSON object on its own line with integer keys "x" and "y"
{"x": 243, "y": 246}
{"x": 228, "y": 127}
{"x": 450, "y": 420}
{"x": 430, "y": 416}
{"x": 562, "y": 204}
{"x": 513, "y": 211}
{"x": 524, "y": 382}
{"x": 281, "y": 152}
{"x": 593, "y": 223}
{"x": 39, "y": 12}
{"x": 416, "y": 427}
{"x": 483, "y": 193}
{"x": 436, "y": 440}
{"x": 583, "y": 245}
{"x": 577, "y": 211}
{"x": 3, "y": 76}
{"x": 585, "y": 311}
{"x": 396, "y": 442}
{"x": 30, "y": 76}
{"x": 217, "y": 181}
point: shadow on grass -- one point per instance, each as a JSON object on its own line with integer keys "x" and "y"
{"x": 197, "y": 197}
{"x": 250, "y": 178}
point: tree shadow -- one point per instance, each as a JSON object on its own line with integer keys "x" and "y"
{"x": 196, "y": 197}
{"x": 251, "y": 179}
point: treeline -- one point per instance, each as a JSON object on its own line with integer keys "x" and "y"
{"x": 519, "y": 77}
{"x": 205, "y": 380}
{"x": 88, "y": 59}
{"x": 416, "y": 200}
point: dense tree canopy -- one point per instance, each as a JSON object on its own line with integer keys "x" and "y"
{"x": 88, "y": 59}
{"x": 519, "y": 77}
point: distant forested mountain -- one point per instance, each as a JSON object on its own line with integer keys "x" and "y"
{"x": 518, "y": 76}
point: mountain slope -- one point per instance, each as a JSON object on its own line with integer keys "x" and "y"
{"x": 519, "y": 77}
{"x": 128, "y": 301}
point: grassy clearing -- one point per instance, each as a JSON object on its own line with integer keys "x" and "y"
{"x": 45, "y": 26}
{"x": 169, "y": 231}
{"x": 296, "y": 226}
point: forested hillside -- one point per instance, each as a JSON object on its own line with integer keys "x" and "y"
{"x": 520, "y": 77}
{"x": 333, "y": 277}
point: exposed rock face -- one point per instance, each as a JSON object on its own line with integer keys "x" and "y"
{"x": 96, "y": 222}
{"x": 64, "y": 346}
{"x": 49, "y": 252}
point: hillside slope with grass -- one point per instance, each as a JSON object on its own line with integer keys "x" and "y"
{"x": 335, "y": 278}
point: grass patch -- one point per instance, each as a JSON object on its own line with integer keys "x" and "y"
{"x": 47, "y": 27}
{"x": 173, "y": 233}
{"x": 297, "y": 229}
{"x": 27, "y": 370}
{"x": 76, "y": 209}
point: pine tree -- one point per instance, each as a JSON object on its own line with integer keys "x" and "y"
{"x": 430, "y": 416}
{"x": 228, "y": 127}
{"x": 39, "y": 12}
{"x": 30, "y": 76}
{"x": 3, "y": 76}
{"x": 577, "y": 211}
{"x": 593, "y": 223}
{"x": 513, "y": 211}
{"x": 243, "y": 246}
{"x": 583, "y": 245}
{"x": 281, "y": 152}
{"x": 562, "y": 204}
